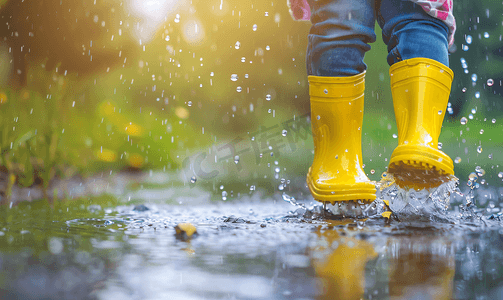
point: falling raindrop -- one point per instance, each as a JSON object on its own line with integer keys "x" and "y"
{"x": 474, "y": 77}
{"x": 473, "y": 176}
{"x": 177, "y": 18}
{"x": 167, "y": 38}
{"x": 474, "y": 110}
{"x": 237, "y": 45}
{"x": 193, "y": 179}
{"x": 494, "y": 121}
{"x": 486, "y": 35}
{"x": 468, "y": 39}
{"x": 234, "y": 77}
{"x": 480, "y": 172}
{"x": 463, "y": 121}
{"x": 490, "y": 82}
{"x": 236, "y": 159}
{"x": 252, "y": 188}
{"x": 254, "y": 27}
{"x": 243, "y": 59}
{"x": 268, "y": 97}
{"x": 481, "y": 131}
{"x": 479, "y": 149}
{"x": 464, "y": 90}
{"x": 284, "y": 132}
{"x": 439, "y": 146}
{"x": 457, "y": 160}
{"x": 477, "y": 95}
{"x": 239, "y": 89}
{"x": 317, "y": 117}
{"x": 395, "y": 136}
{"x": 267, "y": 48}
{"x": 470, "y": 116}
{"x": 221, "y": 187}
{"x": 224, "y": 195}
{"x": 372, "y": 171}
{"x": 189, "y": 103}
{"x": 246, "y": 75}
{"x": 277, "y": 169}
{"x": 500, "y": 174}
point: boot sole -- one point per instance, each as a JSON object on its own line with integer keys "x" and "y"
{"x": 364, "y": 191}
{"x": 420, "y": 166}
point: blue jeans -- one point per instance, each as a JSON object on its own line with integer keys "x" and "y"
{"x": 342, "y": 30}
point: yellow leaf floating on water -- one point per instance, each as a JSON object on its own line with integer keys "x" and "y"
{"x": 185, "y": 230}
{"x": 386, "y": 214}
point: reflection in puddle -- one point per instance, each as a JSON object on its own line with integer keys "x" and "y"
{"x": 259, "y": 250}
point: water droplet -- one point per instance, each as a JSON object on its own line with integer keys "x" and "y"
{"x": 268, "y": 97}
{"x": 284, "y": 132}
{"x": 267, "y": 48}
{"x": 252, "y": 138}
{"x": 481, "y": 131}
{"x": 477, "y": 95}
{"x": 325, "y": 91}
{"x": 486, "y": 35}
{"x": 470, "y": 116}
{"x": 236, "y": 159}
{"x": 317, "y": 117}
{"x": 474, "y": 110}
{"x": 224, "y": 195}
{"x": 252, "y": 188}
{"x": 490, "y": 82}
{"x": 372, "y": 171}
{"x": 473, "y": 176}
{"x": 246, "y": 75}
{"x": 243, "y": 59}
{"x": 439, "y": 146}
{"x": 465, "y": 47}
{"x": 193, "y": 179}
{"x": 479, "y": 149}
{"x": 463, "y": 121}
{"x": 500, "y": 174}
{"x": 189, "y": 103}
{"x": 395, "y": 136}
{"x": 493, "y": 120}
{"x": 254, "y": 27}
{"x": 457, "y": 160}
{"x": 281, "y": 187}
{"x": 266, "y": 14}
{"x": 277, "y": 169}
{"x": 439, "y": 112}
{"x": 239, "y": 89}
{"x": 474, "y": 77}
{"x": 212, "y": 74}
{"x": 464, "y": 90}
{"x": 237, "y": 45}
{"x": 234, "y": 77}
{"x": 221, "y": 187}
{"x": 480, "y": 172}
{"x": 468, "y": 39}
{"x": 167, "y": 38}
{"x": 177, "y": 18}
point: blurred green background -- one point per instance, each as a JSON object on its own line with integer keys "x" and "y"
{"x": 214, "y": 92}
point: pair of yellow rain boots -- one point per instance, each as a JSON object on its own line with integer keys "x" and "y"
{"x": 420, "y": 89}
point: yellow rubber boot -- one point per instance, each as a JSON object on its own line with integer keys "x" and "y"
{"x": 336, "y": 120}
{"x": 420, "y": 89}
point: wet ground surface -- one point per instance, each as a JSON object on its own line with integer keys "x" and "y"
{"x": 253, "y": 248}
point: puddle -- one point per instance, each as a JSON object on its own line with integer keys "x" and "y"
{"x": 103, "y": 248}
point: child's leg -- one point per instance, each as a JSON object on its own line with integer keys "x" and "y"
{"x": 409, "y": 32}
{"x": 338, "y": 41}
{"x": 340, "y": 36}
{"x": 420, "y": 84}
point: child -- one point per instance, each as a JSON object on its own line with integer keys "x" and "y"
{"x": 417, "y": 33}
